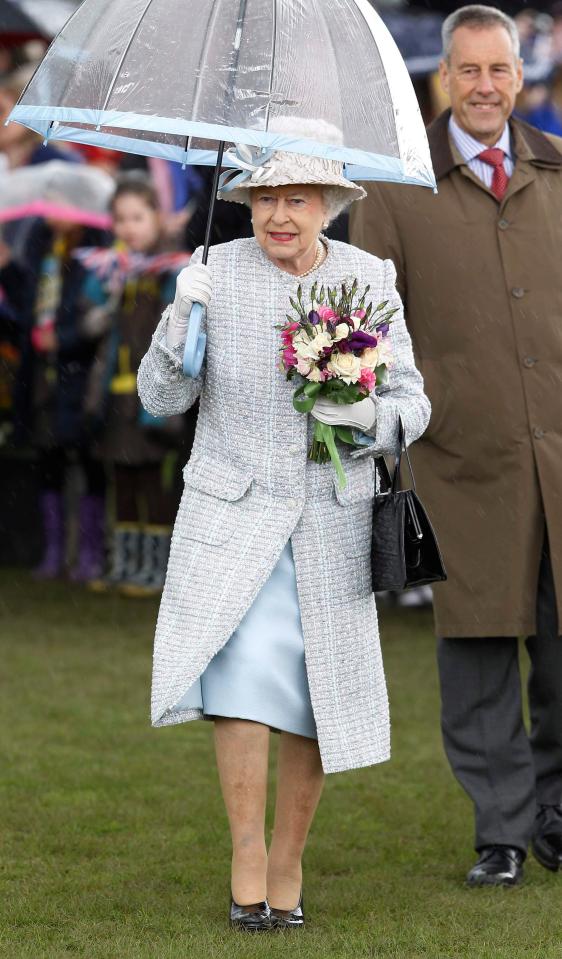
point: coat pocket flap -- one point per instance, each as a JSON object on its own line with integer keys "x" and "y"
{"x": 360, "y": 484}
{"x": 217, "y": 477}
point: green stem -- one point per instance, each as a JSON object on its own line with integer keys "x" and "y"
{"x": 326, "y": 435}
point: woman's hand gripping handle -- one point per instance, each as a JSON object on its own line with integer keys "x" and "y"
{"x": 194, "y": 287}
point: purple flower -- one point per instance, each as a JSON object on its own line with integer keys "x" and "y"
{"x": 359, "y": 340}
{"x": 314, "y": 317}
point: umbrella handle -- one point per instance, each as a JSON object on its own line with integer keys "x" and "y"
{"x": 195, "y": 343}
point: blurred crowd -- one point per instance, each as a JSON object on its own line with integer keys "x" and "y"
{"x": 91, "y": 244}
{"x": 89, "y": 483}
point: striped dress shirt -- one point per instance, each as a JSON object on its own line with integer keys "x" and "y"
{"x": 469, "y": 148}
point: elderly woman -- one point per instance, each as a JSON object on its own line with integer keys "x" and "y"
{"x": 268, "y": 618}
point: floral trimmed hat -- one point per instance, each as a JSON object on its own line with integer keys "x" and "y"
{"x": 259, "y": 168}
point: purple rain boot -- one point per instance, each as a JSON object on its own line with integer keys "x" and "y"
{"x": 91, "y": 540}
{"x": 52, "y": 514}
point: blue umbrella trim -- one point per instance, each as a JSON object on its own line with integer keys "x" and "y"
{"x": 52, "y": 124}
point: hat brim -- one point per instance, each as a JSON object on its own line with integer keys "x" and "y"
{"x": 343, "y": 191}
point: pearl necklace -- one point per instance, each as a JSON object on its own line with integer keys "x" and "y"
{"x": 321, "y": 250}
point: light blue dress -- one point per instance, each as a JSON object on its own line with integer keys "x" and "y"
{"x": 260, "y": 674}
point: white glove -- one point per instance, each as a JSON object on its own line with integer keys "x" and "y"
{"x": 193, "y": 285}
{"x": 360, "y": 416}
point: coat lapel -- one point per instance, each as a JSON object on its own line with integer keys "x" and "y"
{"x": 532, "y": 151}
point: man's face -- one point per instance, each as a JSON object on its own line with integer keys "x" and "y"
{"x": 482, "y": 78}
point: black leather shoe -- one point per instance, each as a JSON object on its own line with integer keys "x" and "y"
{"x": 288, "y": 918}
{"x": 497, "y": 866}
{"x": 254, "y": 918}
{"x": 547, "y": 838}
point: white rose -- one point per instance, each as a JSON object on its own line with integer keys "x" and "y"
{"x": 346, "y": 366}
{"x": 315, "y": 375}
{"x": 310, "y": 348}
{"x": 342, "y": 330}
{"x": 321, "y": 341}
{"x": 370, "y": 358}
{"x": 304, "y": 347}
{"x": 384, "y": 350}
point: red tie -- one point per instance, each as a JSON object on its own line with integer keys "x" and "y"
{"x": 494, "y": 157}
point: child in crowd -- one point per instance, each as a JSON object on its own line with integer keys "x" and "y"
{"x": 55, "y": 361}
{"x": 140, "y": 451}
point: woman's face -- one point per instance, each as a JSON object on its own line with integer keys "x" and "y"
{"x": 287, "y": 219}
{"x": 135, "y": 223}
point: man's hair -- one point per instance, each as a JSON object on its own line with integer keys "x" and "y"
{"x": 477, "y": 16}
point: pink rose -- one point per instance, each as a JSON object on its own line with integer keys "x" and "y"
{"x": 325, "y": 313}
{"x": 367, "y": 379}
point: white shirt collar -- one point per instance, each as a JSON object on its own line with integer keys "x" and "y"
{"x": 469, "y": 148}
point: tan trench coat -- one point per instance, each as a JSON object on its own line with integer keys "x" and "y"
{"x": 482, "y": 286}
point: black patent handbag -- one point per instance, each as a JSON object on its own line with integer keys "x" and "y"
{"x": 405, "y": 552}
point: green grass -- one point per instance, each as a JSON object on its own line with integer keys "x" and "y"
{"x": 114, "y": 839}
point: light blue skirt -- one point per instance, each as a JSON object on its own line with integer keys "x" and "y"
{"x": 260, "y": 674}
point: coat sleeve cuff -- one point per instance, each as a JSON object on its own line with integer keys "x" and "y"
{"x": 166, "y": 358}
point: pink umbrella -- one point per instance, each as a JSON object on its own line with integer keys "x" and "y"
{"x": 59, "y": 191}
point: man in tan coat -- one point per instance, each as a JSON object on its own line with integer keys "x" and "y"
{"x": 479, "y": 269}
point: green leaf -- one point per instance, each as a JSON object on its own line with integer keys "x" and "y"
{"x": 343, "y": 393}
{"x": 382, "y": 374}
{"x": 305, "y": 397}
{"x": 345, "y": 434}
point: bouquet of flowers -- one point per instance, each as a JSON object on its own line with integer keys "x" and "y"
{"x": 336, "y": 348}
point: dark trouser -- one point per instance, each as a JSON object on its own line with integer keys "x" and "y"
{"x": 505, "y": 771}
{"x": 53, "y": 466}
{"x": 140, "y": 489}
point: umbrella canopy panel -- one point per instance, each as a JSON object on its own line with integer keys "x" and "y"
{"x": 165, "y": 71}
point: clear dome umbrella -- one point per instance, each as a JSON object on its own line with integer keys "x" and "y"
{"x": 179, "y": 79}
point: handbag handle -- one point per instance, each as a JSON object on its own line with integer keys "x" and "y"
{"x": 392, "y": 483}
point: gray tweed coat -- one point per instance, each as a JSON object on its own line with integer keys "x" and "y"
{"x": 249, "y": 488}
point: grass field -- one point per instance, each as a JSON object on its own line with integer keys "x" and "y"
{"x": 114, "y": 839}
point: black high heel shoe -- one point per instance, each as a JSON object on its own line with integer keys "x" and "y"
{"x": 288, "y": 918}
{"x": 254, "y": 918}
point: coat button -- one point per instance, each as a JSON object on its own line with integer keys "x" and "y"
{"x": 294, "y": 450}
{"x": 503, "y": 224}
{"x": 518, "y": 292}
{"x": 292, "y": 503}
{"x": 529, "y": 362}
{"x": 538, "y": 433}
